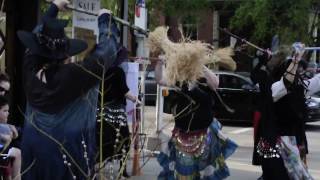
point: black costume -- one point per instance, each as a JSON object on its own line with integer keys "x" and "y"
{"x": 116, "y": 136}
{"x": 284, "y": 117}
{"x": 59, "y": 131}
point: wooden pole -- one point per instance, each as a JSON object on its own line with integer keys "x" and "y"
{"x": 136, "y": 171}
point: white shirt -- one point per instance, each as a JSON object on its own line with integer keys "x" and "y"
{"x": 279, "y": 90}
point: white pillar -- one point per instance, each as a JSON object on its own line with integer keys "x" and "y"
{"x": 216, "y": 24}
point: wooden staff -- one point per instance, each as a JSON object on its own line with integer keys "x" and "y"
{"x": 119, "y": 20}
{"x": 144, "y": 60}
{"x": 242, "y": 40}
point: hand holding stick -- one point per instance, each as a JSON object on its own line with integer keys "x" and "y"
{"x": 62, "y": 5}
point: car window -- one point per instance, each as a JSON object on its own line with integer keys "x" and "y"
{"x": 150, "y": 75}
{"x": 233, "y": 82}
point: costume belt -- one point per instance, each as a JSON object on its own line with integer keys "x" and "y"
{"x": 192, "y": 143}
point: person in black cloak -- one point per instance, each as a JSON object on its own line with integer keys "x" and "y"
{"x": 281, "y": 127}
{"x": 59, "y": 131}
{"x": 116, "y": 135}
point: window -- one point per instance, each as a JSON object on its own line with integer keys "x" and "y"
{"x": 232, "y": 82}
{"x": 189, "y": 27}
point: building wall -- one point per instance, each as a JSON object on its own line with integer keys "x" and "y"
{"x": 205, "y": 26}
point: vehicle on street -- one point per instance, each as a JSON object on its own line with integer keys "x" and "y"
{"x": 237, "y": 91}
{"x": 150, "y": 88}
{"x": 313, "y": 108}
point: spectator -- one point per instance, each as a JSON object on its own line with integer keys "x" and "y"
{"x": 10, "y": 148}
{"x": 4, "y": 84}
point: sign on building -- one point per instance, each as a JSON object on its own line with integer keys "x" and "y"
{"x": 85, "y": 26}
{"x": 86, "y": 21}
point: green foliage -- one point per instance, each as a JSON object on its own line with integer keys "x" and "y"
{"x": 287, "y": 18}
{"x": 179, "y": 7}
{"x": 113, "y": 5}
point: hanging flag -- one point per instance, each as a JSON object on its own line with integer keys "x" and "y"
{"x": 139, "y": 4}
{"x": 140, "y": 17}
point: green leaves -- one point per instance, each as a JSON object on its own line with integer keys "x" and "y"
{"x": 179, "y": 7}
{"x": 287, "y": 18}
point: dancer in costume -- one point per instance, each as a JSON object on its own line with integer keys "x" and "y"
{"x": 116, "y": 135}
{"x": 197, "y": 148}
{"x": 281, "y": 126}
{"x": 59, "y": 132}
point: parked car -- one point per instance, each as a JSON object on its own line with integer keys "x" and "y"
{"x": 150, "y": 88}
{"x": 313, "y": 108}
{"x": 237, "y": 91}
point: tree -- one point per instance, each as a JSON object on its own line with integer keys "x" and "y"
{"x": 287, "y": 18}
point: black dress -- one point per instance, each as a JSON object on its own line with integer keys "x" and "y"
{"x": 267, "y": 132}
{"x": 115, "y": 130}
{"x": 59, "y": 132}
{"x": 281, "y": 118}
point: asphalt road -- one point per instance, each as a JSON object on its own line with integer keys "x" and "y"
{"x": 240, "y": 162}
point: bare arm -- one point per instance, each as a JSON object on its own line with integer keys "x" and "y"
{"x": 212, "y": 79}
{"x": 131, "y": 97}
{"x": 280, "y": 88}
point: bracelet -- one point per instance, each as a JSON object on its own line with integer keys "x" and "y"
{"x": 285, "y": 75}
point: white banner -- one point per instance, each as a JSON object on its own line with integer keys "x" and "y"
{"x": 84, "y": 20}
{"x": 132, "y": 77}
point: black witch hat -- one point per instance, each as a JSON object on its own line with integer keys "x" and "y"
{"x": 51, "y": 41}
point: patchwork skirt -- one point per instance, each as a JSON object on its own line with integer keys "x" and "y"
{"x": 197, "y": 155}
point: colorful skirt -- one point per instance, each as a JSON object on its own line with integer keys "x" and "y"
{"x": 197, "y": 155}
{"x": 291, "y": 157}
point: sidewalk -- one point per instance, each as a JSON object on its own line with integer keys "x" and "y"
{"x": 150, "y": 167}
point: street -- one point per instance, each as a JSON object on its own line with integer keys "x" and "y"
{"x": 240, "y": 162}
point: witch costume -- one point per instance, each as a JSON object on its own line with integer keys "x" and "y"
{"x": 59, "y": 130}
{"x": 115, "y": 130}
{"x": 195, "y": 150}
{"x": 281, "y": 125}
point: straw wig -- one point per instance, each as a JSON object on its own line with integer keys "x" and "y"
{"x": 184, "y": 60}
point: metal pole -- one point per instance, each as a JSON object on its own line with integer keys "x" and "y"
{"x": 312, "y": 48}
{"x": 125, "y": 28}
{"x": 159, "y": 108}
{"x": 140, "y": 52}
